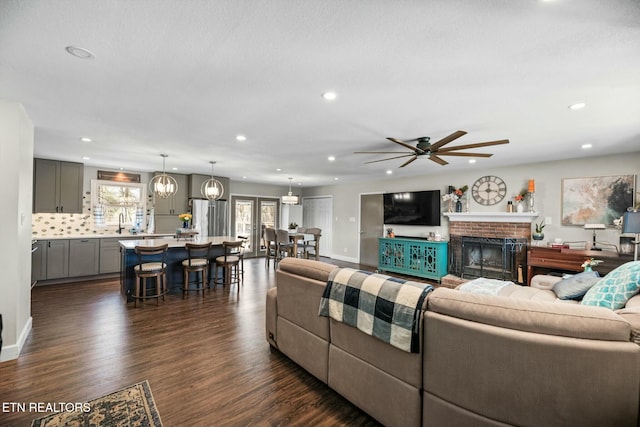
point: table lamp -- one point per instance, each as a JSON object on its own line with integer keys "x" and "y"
{"x": 595, "y": 227}
{"x": 631, "y": 224}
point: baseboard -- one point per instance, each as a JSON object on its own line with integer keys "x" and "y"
{"x": 344, "y": 258}
{"x": 11, "y": 352}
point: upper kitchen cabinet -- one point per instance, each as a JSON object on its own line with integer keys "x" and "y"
{"x": 57, "y": 186}
{"x": 196, "y": 181}
{"x": 176, "y": 204}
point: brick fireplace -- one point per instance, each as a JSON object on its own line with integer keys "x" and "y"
{"x": 512, "y": 229}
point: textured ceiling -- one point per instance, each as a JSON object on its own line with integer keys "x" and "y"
{"x": 185, "y": 77}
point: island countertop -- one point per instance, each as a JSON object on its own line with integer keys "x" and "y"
{"x": 176, "y": 243}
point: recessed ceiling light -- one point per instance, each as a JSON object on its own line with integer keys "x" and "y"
{"x": 85, "y": 139}
{"x": 244, "y": 177}
{"x": 278, "y": 170}
{"x": 389, "y": 171}
{"x": 577, "y": 106}
{"x": 336, "y": 178}
{"x": 174, "y": 169}
{"x": 86, "y": 158}
{"x": 331, "y": 158}
{"x": 80, "y": 52}
{"x": 121, "y": 169}
{"x": 241, "y": 138}
{"x": 586, "y": 146}
{"x": 329, "y": 96}
{"x": 472, "y": 161}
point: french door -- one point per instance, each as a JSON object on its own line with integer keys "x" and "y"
{"x": 249, "y": 217}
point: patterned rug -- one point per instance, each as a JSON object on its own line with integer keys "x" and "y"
{"x": 130, "y": 407}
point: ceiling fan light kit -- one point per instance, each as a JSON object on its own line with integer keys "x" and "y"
{"x": 424, "y": 149}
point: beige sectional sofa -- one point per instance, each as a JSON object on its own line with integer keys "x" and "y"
{"x": 483, "y": 360}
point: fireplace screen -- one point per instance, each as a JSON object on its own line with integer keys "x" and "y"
{"x": 493, "y": 258}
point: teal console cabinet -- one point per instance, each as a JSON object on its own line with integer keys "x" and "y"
{"x": 413, "y": 257}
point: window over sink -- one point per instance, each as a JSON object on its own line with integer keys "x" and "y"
{"x": 109, "y": 199}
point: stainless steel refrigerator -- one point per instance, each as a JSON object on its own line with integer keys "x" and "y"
{"x": 210, "y": 217}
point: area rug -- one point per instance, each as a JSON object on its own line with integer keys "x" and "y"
{"x": 132, "y": 406}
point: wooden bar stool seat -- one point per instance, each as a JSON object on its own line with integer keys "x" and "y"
{"x": 197, "y": 262}
{"x": 152, "y": 264}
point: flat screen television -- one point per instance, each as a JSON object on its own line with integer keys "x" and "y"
{"x": 412, "y": 208}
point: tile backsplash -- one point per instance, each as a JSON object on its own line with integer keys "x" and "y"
{"x": 61, "y": 224}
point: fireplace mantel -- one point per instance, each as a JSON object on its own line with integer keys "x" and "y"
{"x": 526, "y": 217}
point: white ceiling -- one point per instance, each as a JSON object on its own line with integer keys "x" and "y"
{"x": 185, "y": 77}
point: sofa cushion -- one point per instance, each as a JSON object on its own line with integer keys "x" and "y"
{"x": 566, "y": 320}
{"x": 574, "y": 287}
{"x": 616, "y": 288}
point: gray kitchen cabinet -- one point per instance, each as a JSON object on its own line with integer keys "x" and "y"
{"x": 84, "y": 257}
{"x": 176, "y": 204}
{"x": 167, "y": 223}
{"x": 39, "y": 261}
{"x": 57, "y": 259}
{"x": 196, "y": 181}
{"x": 57, "y": 186}
{"x": 110, "y": 254}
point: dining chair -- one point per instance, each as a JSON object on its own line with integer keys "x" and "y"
{"x": 283, "y": 243}
{"x": 271, "y": 246}
{"x": 152, "y": 264}
{"x": 313, "y": 245}
{"x": 197, "y": 262}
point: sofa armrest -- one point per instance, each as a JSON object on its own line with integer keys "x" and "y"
{"x": 544, "y": 281}
{"x": 566, "y": 320}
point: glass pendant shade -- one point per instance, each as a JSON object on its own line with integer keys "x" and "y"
{"x": 163, "y": 185}
{"x": 212, "y": 189}
{"x": 290, "y": 199}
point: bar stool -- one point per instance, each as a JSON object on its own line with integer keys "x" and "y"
{"x": 230, "y": 263}
{"x": 152, "y": 263}
{"x": 197, "y": 262}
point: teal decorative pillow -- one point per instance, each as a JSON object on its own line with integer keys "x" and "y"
{"x": 616, "y": 288}
{"x": 574, "y": 287}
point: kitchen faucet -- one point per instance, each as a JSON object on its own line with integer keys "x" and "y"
{"x": 120, "y": 221}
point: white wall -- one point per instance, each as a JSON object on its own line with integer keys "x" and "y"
{"x": 548, "y": 177}
{"x": 16, "y": 170}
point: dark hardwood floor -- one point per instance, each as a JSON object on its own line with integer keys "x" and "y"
{"x": 206, "y": 359}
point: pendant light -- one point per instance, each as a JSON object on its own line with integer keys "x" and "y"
{"x": 212, "y": 189}
{"x": 290, "y": 199}
{"x": 163, "y": 185}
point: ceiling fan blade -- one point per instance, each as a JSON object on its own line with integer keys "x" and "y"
{"x": 457, "y": 134}
{"x": 459, "y": 153}
{"x": 408, "y": 161}
{"x": 379, "y": 152}
{"x": 409, "y": 146}
{"x": 476, "y": 145}
{"x": 389, "y": 158}
{"x": 438, "y": 160}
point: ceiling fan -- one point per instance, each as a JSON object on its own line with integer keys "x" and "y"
{"x": 424, "y": 148}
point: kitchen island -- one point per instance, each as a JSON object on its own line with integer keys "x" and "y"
{"x": 176, "y": 253}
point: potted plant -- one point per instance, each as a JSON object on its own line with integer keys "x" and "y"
{"x": 293, "y": 226}
{"x": 539, "y": 235}
{"x": 390, "y": 232}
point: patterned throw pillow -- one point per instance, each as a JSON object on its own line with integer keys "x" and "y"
{"x": 574, "y": 287}
{"x": 616, "y": 288}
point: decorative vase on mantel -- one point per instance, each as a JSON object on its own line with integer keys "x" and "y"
{"x": 537, "y": 236}
{"x": 520, "y": 208}
{"x": 458, "y": 205}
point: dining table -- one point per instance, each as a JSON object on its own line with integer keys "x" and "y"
{"x": 296, "y": 237}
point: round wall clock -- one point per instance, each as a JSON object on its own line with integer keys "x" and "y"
{"x": 488, "y": 190}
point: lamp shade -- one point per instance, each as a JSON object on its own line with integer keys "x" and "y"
{"x": 290, "y": 199}
{"x": 631, "y": 222}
